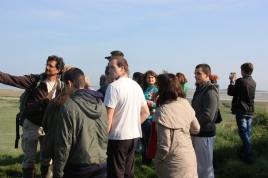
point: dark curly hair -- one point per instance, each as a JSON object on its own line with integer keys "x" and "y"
{"x": 59, "y": 62}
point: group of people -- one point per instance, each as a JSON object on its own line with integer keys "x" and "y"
{"x": 87, "y": 133}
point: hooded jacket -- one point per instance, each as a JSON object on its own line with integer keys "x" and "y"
{"x": 175, "y": 155}
{"x": 81, "y": 132}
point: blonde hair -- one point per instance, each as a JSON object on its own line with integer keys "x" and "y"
{"x": 87, "y": 82}
{"x": 66, "y": 68}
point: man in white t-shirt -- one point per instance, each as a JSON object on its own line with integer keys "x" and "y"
{"x": 126, "y": 110}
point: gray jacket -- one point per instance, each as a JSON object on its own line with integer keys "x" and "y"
{"x": 81, "y": 134}
{"x": 206, "y": 103}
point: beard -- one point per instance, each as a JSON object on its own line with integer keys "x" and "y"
{"x": 48, "y": 73}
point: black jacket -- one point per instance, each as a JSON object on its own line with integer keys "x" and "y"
{"x": 243, "y": 92}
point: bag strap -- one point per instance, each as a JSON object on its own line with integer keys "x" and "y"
{"x": 50, "y": 94}
{"x": 219, "y": 118}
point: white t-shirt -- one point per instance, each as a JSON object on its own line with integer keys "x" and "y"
{"x": 126, "y": 97}
{"x": 50, "y": 86}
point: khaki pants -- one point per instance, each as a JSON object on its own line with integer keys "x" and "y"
{"x": 31, "y": 135}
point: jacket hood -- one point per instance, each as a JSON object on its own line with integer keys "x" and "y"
{"x": 89, "y": 101}
{"x": 174, "y": 113}
{"x": 88, "y": 94}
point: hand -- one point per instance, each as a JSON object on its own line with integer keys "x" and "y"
{"x": 232, "y": 77}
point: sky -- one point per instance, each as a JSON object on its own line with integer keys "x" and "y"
{"x": 170, "y": 35}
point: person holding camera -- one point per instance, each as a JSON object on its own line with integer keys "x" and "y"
{"x": 243, "y": 92}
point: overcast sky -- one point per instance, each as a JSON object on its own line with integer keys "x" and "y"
{"x": 172, "y": 35}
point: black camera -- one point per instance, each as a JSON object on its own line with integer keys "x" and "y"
{"x": 108, "y": 57}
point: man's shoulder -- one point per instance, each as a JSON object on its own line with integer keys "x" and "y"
{"x": 247, "y": 79}
{"x": 122, "y": 82}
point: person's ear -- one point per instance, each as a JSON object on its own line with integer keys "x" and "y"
{"x": 58, "y": 71}
{"x": 70, "y": 84}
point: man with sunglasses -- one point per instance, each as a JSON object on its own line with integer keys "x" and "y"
{"x": 48, "y": 88}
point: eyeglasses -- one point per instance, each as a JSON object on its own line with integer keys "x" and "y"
{"x": 49, "y": 66}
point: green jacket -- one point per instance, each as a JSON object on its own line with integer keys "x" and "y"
{"x": 81, "y": 134}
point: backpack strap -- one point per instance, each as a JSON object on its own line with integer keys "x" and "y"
{"x": 219, "y": 118}
{"x": 50, "y": 94}
{"x": 19, "y": 119}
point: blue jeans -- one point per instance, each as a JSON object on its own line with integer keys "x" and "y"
{"x": 146, "y": 132}
{"x": 244, "y": 127}
{"x": 137, "y": 149}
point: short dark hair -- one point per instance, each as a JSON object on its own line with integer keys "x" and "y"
{"x": 144, "y": 83}
{"x": 117, "y": 53}
{"x": 140, "y": 79}
{"x": 205, "y": 68}
{"x": 247, "y": 68}
{"x": 168, "y": 88}
{"x": 59, "y": 62}
{"x": 137, "y": 75}
{"x": 76, "y": 76}
{"x": 107, "y": 70}
{"x": 102, "y": 80}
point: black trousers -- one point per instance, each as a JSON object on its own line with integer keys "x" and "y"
{"x": 121, "y": 158}
{"x": 99, "y": 173}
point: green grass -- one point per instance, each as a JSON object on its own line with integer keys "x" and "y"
{"x": 227, "y": 143}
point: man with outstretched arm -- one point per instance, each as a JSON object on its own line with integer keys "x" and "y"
{"x": 48, "y": 88}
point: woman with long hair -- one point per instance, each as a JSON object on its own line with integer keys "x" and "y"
{"x": 183, "y": 81}
{"x": 174, "y": 121}
{"x": 49, "y": 124}
{"x": 149, "y": 88}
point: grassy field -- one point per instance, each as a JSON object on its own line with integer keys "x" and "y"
{"x": 227, "y": 143}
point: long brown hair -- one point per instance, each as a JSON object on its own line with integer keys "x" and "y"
{"x": 60, "y": 99}
{"x": 144, "y": 83}
{"x": 182, "y": 79}
{"x": 168, "y": 88}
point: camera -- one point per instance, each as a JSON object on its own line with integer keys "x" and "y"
{"x": 232, "y": 74}
{"x": 108, "y": 57}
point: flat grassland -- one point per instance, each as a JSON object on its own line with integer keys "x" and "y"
{"x": 227, "y": 143}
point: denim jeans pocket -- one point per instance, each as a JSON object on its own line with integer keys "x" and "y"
{"x": 149, "y": 122}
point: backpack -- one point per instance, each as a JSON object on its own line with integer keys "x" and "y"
{"x": 219, "y": 118}
{"x": 20, "y": 117}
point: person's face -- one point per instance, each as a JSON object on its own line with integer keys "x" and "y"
{"x": 200, "y": 76}
{"x": 51, "y": 69}
{"x": 150, "y": 80}
{"x": 115, "y": 71}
